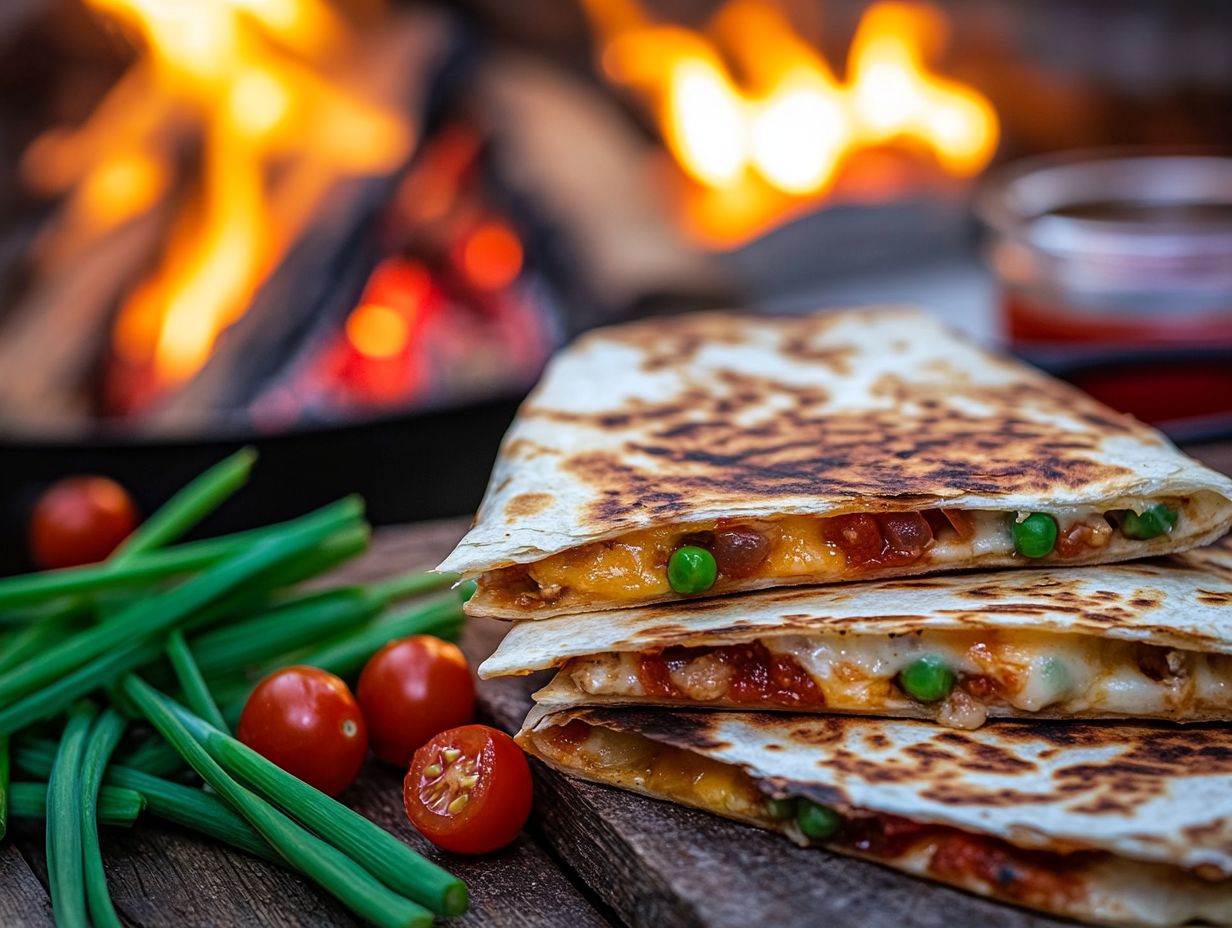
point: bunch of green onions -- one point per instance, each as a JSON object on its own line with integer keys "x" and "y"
{"x": 88, "y": 651}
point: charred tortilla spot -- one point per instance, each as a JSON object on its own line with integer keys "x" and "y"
{"x": 960, "y": 794}
{"x": 527, "y": 504}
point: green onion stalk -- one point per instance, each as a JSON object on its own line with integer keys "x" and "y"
{"x": 377, "y": 850}
{"x": 116, "y": 806}
{"x": 65, "y": 861}
{"x": 101, "y": 743}
{"x": 161, "y": 613}
{"x": 350, "y": 883}
{"x": 188, "y": 806}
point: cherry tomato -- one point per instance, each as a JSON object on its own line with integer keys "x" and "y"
{"x": 468, "y": 790}
{"x": 411, "y": 689}
{"x": 307, "y": 722}
{"x": 80, "y": 520}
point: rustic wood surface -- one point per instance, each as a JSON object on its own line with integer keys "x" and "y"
{"x": 162, "y": 876}
{"x": 593, "y": 856}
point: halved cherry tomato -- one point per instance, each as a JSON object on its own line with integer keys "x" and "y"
{"x": 469, "y": 790}
{"x": 80, "y": 520}
{"x": 307, "y": 722}
{"x": 412, "y": 689}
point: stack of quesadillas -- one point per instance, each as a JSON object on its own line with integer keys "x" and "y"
{"x": 763, "y": 519}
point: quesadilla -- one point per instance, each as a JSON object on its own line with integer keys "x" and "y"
{"x": 1149, "y": 639}
{"x": 1123, "y": 824}
{"x": 717, "y": 453}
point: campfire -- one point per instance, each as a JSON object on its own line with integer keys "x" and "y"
{"x": 762, "y": 127}
{"x": 267, "y": 90}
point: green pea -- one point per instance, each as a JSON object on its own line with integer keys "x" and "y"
{"x": 928, "y": 679}
{"x": 817, "y": 821}
{"x": 780, "y": 809}
{"x": 691, "y": 570}
{"x": 1036, "y": 535}
{"x": 1154, "y": 521}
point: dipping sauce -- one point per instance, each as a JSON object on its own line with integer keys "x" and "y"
{"x": 1116, "y": 274}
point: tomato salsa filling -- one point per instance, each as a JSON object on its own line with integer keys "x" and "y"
{"x": 958, "y": 677}
{"x": 731, "y": 554}
{"x": 1042, "y": 879}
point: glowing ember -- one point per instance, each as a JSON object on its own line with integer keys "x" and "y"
{"x": 492, "y": 256}
{"x": 252, "y": 75}
{"x": 751, "y": 113}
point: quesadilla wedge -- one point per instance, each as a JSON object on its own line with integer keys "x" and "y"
{"x": 1123, "y": 824}
{"x": 718, "y": 453}
{"x": 1149, "y": 639}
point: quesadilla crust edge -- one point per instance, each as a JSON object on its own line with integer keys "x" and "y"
{"x": 725, "y": 416}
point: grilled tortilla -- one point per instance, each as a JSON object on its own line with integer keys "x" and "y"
{"x": 846, "y": 446}
{"x": 1149, "y": 639}
{"x": 1123, "y": 824}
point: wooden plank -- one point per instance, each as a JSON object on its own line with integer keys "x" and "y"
{"x": 162, "y": 876}
{"x": 23, "y": 901}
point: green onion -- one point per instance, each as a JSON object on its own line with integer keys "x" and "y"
{"x": 159, "y": 614}
{"x": 409, "y": 585}
{"x": 27, "y": 589}
{"x": 4, "y": 785}
{"x": 377, "y": 850}
{"x": 58, "y": 696}
{"x": 66, "y": 885}
{"x": 189, "y": 506}
{"x": 275, "y": 632}
{"x": 189, "y": 674}
{"x": 333, "y": 870}
{"x": 48, "y": 628}
{"x": 175, "y": 802}
{"x": 155, "y": 757}
{"x": 39, "y": 588}
{"x": 102, "y": 742}
{"x": 348, "y": 653}
{"x": 116, "y": 806}
{"x": 345, "y": 654}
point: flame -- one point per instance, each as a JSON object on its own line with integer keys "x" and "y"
{"x": 251, "y": 75}
{"x": 755, "y": 116}
{"x": 894, "y": 95}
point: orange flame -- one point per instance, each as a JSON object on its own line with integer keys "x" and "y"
{"x": 250, "y": 74}
{"x": 784, "y": 127}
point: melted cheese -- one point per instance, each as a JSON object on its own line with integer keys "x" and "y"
{"x": 633, "y": 567}
{"x": 1022, "y": 670}
{"x": 1095, "y": 886}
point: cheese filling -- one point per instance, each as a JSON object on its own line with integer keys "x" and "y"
{"x": 991, "y": 672}
{"x": 798, "y": 549}
{"x": 1090, "y": 883}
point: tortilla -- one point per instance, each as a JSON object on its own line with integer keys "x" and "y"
{"x": 1115, "y": 823}
{"x": 1149, "y": 639}
{"x": 841, "y": 446}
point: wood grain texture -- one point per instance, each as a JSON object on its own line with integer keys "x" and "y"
{"x": 162, "y": 876}
{"x": 23, "y": 901}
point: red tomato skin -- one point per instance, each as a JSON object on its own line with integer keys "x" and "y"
{"x": 412, "y": 689}
{"x": 499, "y": 804}
{"x": 80, "y": 520}
{"x": 306, "y": 721}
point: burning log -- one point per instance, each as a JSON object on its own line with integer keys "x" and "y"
{"x": 277, "y": 140}
{"x": 570, "y": 150}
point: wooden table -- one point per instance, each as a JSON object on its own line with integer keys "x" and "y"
{"x": 592, "y": 856}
